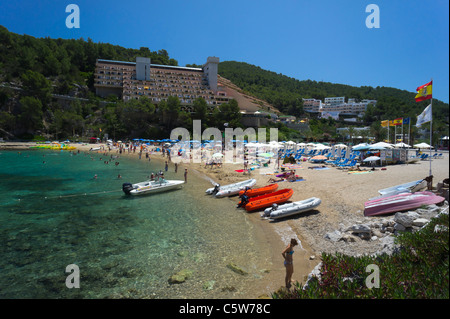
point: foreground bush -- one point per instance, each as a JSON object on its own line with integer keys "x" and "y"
{"x": 420, "y": 269}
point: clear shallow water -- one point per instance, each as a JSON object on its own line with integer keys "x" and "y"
{"x": 125, "y": 247}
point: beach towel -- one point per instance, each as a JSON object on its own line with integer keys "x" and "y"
{"x": 320, "y": 168}
{"x": 359, "y": 173}
{"x": 291, "y": 166}
{"x": 298, "y": 180}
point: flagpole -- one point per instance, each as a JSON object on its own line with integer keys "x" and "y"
{"x": 389, "y": 138}
{"x": 402, "y": 130}
{"x": 395, "y": 134}
{"x": 409, "y": 132}
{"x": 431, "y": 128}
{"x": 409, "y": 135}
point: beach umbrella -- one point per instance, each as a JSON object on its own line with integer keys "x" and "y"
{"x": 376, "y": 148}
{"x": 361, "y": 147}
{"x": 319, "y": 157}
{"x": 217, "y": 155}
{"x": 380, "y": 146}
{"x": 422, "y": 145}
{"x": 401, "y": 144}
{"x": 340, "y": 145}
{"x": 371, "y": 159}
{"x": 269, "y": 154}
{"x": 321, "y": 147}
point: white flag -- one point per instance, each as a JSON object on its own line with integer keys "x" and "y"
{"x": 424, "y": 117}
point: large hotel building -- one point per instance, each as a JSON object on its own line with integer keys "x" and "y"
{"x": 131, "y": 80}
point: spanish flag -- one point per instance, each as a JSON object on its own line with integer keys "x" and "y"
{"x": 398, "y": 121}
{"x": 424, "y": 92}
{"x": 384, "y": 123}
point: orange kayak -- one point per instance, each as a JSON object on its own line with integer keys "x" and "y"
{"x": 267, "y": 200}
{"x": 260, "y": 191}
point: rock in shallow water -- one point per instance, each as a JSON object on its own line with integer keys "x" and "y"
{"x": 236, "y": 269}
{"x": 180, "y": 276}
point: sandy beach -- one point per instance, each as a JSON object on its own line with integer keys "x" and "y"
{"x": 342, "y": 194}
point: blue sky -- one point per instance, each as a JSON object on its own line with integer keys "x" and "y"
{"x": 322, "y": 40}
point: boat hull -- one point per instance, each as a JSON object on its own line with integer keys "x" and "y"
{"x": 231, "y": 189}
{"x": 146, "y": 188}
{"x": 410, "y": 187}
{"x": 400, "y": 202}
{"x": 263, "y": 201}
{"x": 292, "y": 208}
{"x": 259, "y": 191}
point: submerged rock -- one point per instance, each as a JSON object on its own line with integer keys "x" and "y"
{"x": 236, "y": 269}
{"x": 180, "y": 276}
{"x": 209, "y": 285}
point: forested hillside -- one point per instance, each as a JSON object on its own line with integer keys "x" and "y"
{"x": 286, "y": 93}
{"x": 33, "y": 70}
{"x": 67, "y": 59}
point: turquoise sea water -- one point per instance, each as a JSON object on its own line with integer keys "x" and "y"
{"x": 53, "y": 213}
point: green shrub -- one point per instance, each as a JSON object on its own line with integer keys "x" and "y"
{"x": 420, "y": 269}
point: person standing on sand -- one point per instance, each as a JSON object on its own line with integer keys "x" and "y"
{"x": 185, "y": 175}
{"x": 288, "y": 261}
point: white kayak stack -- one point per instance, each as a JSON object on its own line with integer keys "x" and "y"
{"x": 231, "y": 189}
{"x": 289, "y": 209}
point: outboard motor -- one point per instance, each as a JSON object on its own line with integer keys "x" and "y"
{"x": 216, "y": 189}
{"x": 127, "y": 188}
{"x": 267, "y": 211}
{"x": 244, "y": 201}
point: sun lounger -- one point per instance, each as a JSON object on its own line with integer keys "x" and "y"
{"x": 351, "y": 164}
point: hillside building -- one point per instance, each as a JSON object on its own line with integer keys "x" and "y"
{"x": 338, "y": 104}
{"x": 333, "y": 106}
{"x": 312, "y": 105}
{"x": 131, "y": 80}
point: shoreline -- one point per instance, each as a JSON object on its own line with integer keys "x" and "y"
{"x": 342, "y": 194}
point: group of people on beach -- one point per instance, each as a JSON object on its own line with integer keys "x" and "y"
{"x": 289, "y": 176}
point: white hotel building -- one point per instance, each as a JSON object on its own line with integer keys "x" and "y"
{"x": 337, "y": 105}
